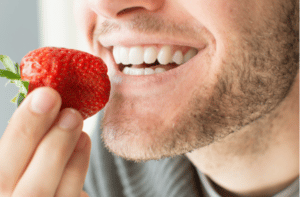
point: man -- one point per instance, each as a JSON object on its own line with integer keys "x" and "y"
{"x": 204, "y": 102}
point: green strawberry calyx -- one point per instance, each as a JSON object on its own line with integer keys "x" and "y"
{"x": 13, "y": 73}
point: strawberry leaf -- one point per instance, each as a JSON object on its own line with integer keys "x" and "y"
{"x": 26, "y": 85}
{"x": 9, "y": 75}
{"x": 13, "y": 73}
{"x": 8, "y": 63}
{"x": 20, "y": 99}
{"x": 17, "y": 68}
{"x": 14, "y": 100}
{"x": 23, "y": 85}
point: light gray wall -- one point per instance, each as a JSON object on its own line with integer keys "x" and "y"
{"x": 18, "y": 36}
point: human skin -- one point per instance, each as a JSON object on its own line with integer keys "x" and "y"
{"x": 42, "y": 141}
{"x": 232, "y": 110}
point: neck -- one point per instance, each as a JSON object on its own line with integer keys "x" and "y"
{"x": 262, "y": 158}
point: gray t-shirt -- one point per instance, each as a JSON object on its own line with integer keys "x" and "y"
{"x": 112, "y": 176}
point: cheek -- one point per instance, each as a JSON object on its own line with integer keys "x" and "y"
{"x": 85, "y": 20}
{"x": 223, "y": 18}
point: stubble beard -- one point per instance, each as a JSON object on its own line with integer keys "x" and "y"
{"x": 255, "y": 76}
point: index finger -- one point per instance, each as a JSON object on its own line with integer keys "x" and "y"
{"x": 26, "y": 128}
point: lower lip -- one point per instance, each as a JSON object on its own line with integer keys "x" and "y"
{"x": 140, "y": 84}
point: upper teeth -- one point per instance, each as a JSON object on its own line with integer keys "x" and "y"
{"x": 138, "y": 55}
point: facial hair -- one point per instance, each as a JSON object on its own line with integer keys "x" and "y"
{"x": 256, "y": 74}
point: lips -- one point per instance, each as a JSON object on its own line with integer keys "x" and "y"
{"x": 151, "y": 59}
{"x": 142, "y": 78}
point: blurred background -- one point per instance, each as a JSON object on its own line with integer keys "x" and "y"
{"x": 27, "y": 25}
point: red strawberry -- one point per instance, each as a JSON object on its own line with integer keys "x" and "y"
{"x": 79, "y": 77}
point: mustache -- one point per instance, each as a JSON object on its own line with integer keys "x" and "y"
{"x": 149, "y": 24}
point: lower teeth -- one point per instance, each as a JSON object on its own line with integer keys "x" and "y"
{"x": 142, "y": 71}
{"x": 146, "y": 69}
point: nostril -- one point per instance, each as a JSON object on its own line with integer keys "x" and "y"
{"x": 127, "y": 10}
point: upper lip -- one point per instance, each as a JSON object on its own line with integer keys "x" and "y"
{"x": 130, "y": 39}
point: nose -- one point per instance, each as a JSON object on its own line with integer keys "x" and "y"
{"x": 116, "y": 8}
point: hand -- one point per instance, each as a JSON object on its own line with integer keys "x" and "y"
{"x": 44, "y": 152}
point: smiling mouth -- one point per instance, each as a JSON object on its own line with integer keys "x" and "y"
{"x": 151, "y": 59}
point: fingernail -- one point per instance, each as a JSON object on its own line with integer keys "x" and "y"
{"x": 68, "y": 119}
{"x": 81, "y": 142}
{"x": 42, "y": 101}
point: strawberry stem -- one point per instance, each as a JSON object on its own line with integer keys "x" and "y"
{"x": 13, "y": 73}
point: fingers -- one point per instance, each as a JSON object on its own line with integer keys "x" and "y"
{"x": 45, "y": 170}
{"x": 26, "y": 128}
{"x": 37, "y": 149}
{"x": 84, "y": 194}
{"x": 75, "y": 172}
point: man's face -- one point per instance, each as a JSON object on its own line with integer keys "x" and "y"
{"x": 244, "y": 63}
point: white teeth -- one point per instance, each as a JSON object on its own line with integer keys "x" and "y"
{"x": 124, "y": 55}
{"x": 116, "y": 53}
{"x": 189, "y": 55}
{"x": 165, "y": 55}
{"x": 126, "y": 70}
{"x": 160, "y": 70}
{"x": 136, "y": 71}
{"x": 149, "y": 71}
{"x": 177, "y": 57}
{"x": 136, "y": 55}
{"x": 150, "y": 55}
{"x": 142, "y": 71}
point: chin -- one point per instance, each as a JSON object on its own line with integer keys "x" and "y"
{"x": 141, "y": 135}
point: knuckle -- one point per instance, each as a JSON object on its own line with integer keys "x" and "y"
{"x": 53, "y": 154}
{"x": 56, "y": 152}
{"x": 26, "y": 133}
{"x": 24, "y": 128}
{"x": 74, "y": 173}
{"x": 58, "y": 146}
